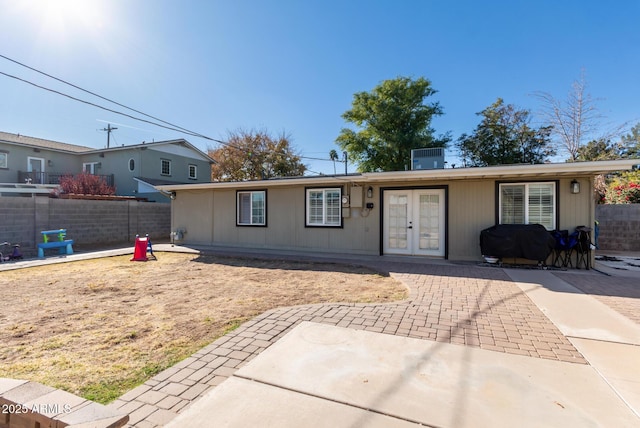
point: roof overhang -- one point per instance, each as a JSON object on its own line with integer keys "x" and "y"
{"x": 178, "y": 142}
{"x": 502, "y": 172}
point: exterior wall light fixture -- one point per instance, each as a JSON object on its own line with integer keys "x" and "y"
{"x": 575, "y": 186}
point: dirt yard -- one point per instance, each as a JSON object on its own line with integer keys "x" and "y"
{"x": 97, "y": 328}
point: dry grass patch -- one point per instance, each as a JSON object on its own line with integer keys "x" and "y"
{"x": 97, "y": 328}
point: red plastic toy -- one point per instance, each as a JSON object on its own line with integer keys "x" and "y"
{"x": 141, "y": 248}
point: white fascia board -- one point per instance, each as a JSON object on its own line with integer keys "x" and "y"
{"x": 491, "y": 172}
{"x": 298, "y": 181}
{"x": 507, "y": 171}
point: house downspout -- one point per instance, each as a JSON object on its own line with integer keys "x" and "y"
{"x": 592, "y": 211}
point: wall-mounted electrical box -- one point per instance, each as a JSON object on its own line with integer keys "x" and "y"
{"x": 356, "y": 197}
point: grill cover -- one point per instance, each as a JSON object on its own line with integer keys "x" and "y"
{"x": 527, "y": 241}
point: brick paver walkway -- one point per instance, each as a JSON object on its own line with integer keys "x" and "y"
{"x": 462, "y": 304}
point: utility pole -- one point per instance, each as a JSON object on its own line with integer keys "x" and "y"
{"x": 345, "y": 162}
{"x": 108, "y": 129}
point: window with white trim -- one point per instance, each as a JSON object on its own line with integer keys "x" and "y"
{"x": 4, "y": 160}
{"x": 528, "y": 203}
{"x": 324, "y": 207}
{"x": 252, "y": 208}
{"x": 193, "y": 172}
{"x": 89, "y": 167}
{"x": 165, "y": 167}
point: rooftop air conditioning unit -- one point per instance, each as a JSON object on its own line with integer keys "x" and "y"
{"x": 432, "y": 158}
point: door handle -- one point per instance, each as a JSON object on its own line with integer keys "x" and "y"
{"x": 410, "y": 225}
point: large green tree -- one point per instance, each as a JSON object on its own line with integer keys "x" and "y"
{"x": 255, "y": 155}
{"x": 390, "y": 121}
{"x": 505, "y": 137}
{"x": 599, "y": 150}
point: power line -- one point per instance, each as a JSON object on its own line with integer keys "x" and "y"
{"x": 167, "y": 125}
{"x": 96, "y": 95}
{"x": 171, "y": 128}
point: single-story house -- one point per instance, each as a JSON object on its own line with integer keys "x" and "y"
{"x": 428, "y": 213}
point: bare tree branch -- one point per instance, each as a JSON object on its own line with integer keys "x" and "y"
{"x": 576, "y": 120}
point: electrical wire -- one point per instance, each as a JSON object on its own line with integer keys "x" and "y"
{"x": 163, "y": 124}
{"x": 97, "y": 95}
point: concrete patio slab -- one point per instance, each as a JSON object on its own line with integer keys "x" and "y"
{"x": 574, "y": 313}
{"x": 278, "y": 408}
{"x": 432, "y": 383}
{"x": 618, "y": 364}
{"x": 608, "y": 340}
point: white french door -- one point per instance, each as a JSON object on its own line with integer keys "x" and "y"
{"x": 414, "y": 222}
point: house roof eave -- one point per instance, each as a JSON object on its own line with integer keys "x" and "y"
{"x": 505, "y": 172}
{"x": 180, "y": 141}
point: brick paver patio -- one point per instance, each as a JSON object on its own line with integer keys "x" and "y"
{"x": 462, "y": 304}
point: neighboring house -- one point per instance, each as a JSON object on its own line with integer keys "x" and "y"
{"x": 436, "y": 213}
{"x": 133, "y": 170}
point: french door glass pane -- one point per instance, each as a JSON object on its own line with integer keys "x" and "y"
{"x": 429, "y": 206}
{"x": 398, "y": 222}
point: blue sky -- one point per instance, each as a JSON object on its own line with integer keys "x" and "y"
{"x": 293, "y": 66}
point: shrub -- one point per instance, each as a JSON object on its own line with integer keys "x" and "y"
{"x": 624, "y": 189}
{"x": 86, "y": 184}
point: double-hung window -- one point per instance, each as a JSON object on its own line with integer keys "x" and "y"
{"x": 528, "y": 203}
{"x": 165, "y": 167}
{"x": 252, "y": 208}
{"x": 323, "y": 207}
{"x": 4, "y": 160}
{"x": 193, "y": 172}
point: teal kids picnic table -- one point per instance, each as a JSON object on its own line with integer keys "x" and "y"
{"x": 58, "y": 241}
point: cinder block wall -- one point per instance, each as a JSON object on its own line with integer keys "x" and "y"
{"x": 87, "y": 222}
{"x": 619, "y": 227}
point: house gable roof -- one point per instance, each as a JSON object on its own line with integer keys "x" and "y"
{"x": 23, "y": 140}
{"x": 501, "y": 172}
{"x": 180, "y": 142}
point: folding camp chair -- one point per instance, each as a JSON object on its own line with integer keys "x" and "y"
{"x": 583, "y": 247}
{"x": 563, "y": 250}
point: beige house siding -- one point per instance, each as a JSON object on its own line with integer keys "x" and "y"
{"x": 471, "y": 209}
{"x": 208, "y": 214}
{"x": 192, "y": 211}
{"x": 576, "y": 209}
{"x": 209, "y": 218}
